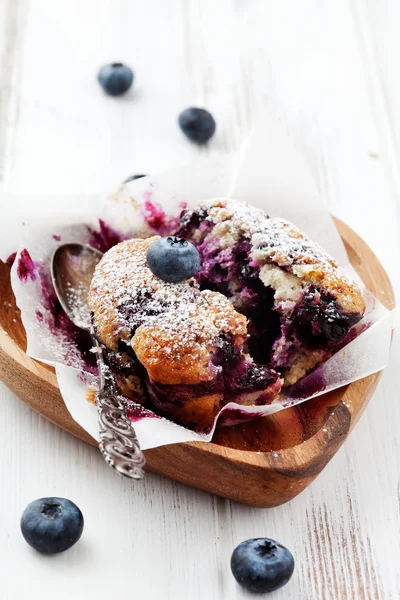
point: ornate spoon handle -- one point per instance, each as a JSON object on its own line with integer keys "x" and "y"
{"x": 118, "y": 442}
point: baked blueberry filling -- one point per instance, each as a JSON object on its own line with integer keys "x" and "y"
{"x": 191, "y": 222}
{"x": 127, "y": 371}
{"x": 239, "y": 374}
{"x": 254, "y": 378}
{"x": 162, "y": 395}
{"x": 315, "y": 322}
{"x": 230, "y": 272}
{"x": 236, "y": 380}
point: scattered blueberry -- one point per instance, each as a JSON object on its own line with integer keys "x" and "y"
{"x": 262, "y": 565}
{"x": 51, "y": 525}
{"x": 173, "y": 259}
{"x": 197, "y": 124}
{"x": 115, "y": 79}
{"x": 133, "y": 177}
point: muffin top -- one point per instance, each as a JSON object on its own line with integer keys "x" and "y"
{"x": 172, "y": 327}
{"x": 273, "y": 241}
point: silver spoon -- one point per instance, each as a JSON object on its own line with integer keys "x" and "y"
{"x": 72, "y": 269}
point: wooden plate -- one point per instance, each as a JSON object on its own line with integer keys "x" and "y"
{"x": 263, "y": 463}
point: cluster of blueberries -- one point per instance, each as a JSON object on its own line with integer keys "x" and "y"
{"x": 52, "y": 525}
{"x": 196, "y": 123}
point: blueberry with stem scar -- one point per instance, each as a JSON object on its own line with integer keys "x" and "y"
{"x": 115, "y": 79}
{"x": 262, "y": 565}
{"x": 173, "y": 259}
{"x": 197, "y": 124}
{"x": 51, "y": 525}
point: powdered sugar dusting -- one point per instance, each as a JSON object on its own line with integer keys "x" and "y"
{"x": 271, "y": 238}
{"x": 276, "y": 241}
{"x": 125, "y": 295}
{"x": 178, "y": 346}
{"x": 77, "y": 297}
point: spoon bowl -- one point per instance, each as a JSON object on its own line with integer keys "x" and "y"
{"x": 72, "y": 269}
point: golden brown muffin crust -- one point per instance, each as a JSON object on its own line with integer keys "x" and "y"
{"x": 178, "y": 346}
{"x": 172, "y": 327}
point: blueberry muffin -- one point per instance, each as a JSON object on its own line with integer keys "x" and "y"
{"x": 266, "y": 306}
{"x": 174, "y": 347}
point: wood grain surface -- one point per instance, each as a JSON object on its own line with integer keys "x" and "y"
{"x": 329, "y": 71}
{"x": 262, "y": 463}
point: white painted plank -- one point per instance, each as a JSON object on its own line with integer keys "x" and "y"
{"x": 381, "y": 27}
{"x": 306, "y": 63}
{"x": 12, "y": 20}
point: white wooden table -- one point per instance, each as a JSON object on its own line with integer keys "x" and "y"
{"x": 330, "y": 71}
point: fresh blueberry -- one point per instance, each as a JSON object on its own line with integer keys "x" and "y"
{"x": 51, "y": 525}
{"x": 262, "y": 565}
{"x": 197, "y": 124}
{"x": 133, "y": 177}
{"x": 115, "y": 79}
{"x": 173, "y": 259}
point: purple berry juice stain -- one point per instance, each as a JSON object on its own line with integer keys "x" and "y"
{"x": 26, "y": 268}
{"x": 105, "y": 238}
{"x": 57, "y": 237}
{"x": 235, "y": 416}
{"x": 157, "y": 219}
{"x": 313, "y": 383}
{"x": 59, "y": 322}
{"x": 56, "y": 319}
{"x": 137, "y": 413}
